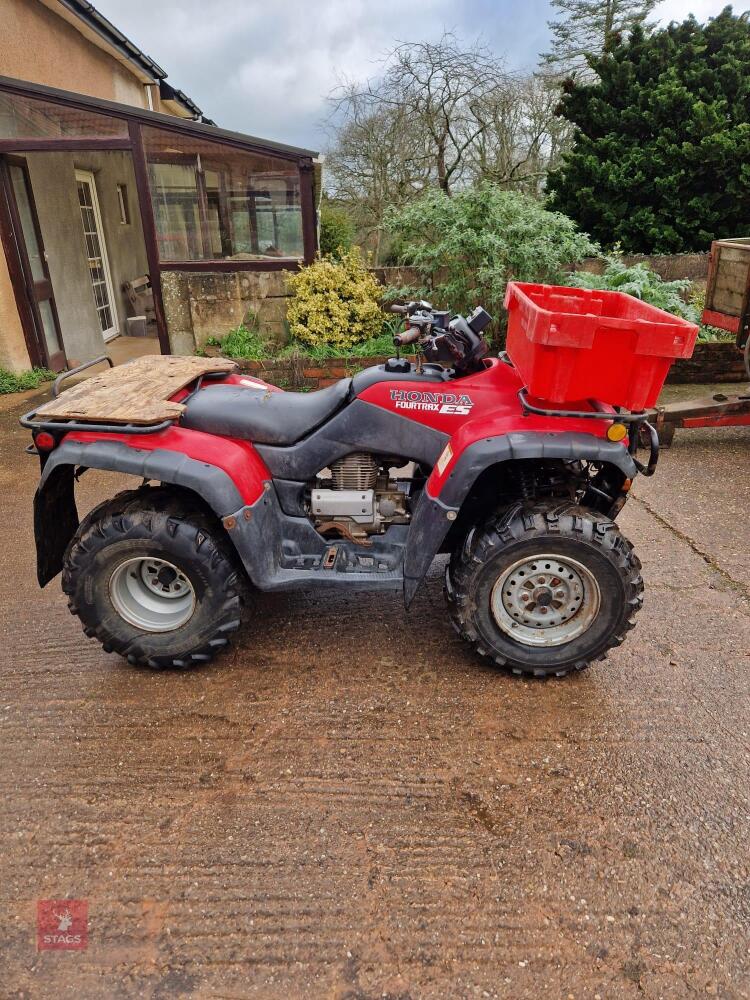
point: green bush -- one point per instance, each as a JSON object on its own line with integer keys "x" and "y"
{"x": 660, "y": 158}
{"x": 467, "y": 247}
{"x": 678, "y": 297}
{"x": 336, "y": 230}
{"x": 10, "y": 382}
{"x": 642, "y": 282}
{"x": 379, "y": 346}
{"x": 335, "y": 303}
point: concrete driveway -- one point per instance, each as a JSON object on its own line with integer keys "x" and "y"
{"x": 351, "y": 805}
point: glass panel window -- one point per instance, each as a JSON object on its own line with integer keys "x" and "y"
{"x": 49, "y": 326}
{"x": 214, "y": 202}
{"x": 29, "y": 118}
{"x": 23, "y": 201}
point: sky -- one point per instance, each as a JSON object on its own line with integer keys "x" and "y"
{"x": 266, "y": 68}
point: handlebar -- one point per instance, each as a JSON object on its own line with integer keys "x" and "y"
{"x": 412, "y": 334}
{"x": 410, "y": 308}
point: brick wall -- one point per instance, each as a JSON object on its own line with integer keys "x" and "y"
{"x": 306, "y": 374}
{"x": 710, "y": 363}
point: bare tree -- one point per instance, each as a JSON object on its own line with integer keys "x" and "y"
{"x": 442, "y": 115}
{"x": 524, "y": 136}
{"x": 435, "y": 90}
{"x": 375, "y": 161}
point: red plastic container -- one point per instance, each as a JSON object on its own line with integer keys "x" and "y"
{"x": 570, "y": 344}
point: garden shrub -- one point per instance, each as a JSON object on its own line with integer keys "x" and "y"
{"x": 336, "y": 230}
{"x": 335, "y": 302}
{"x": 467, "y": 247}
{"x": 679, "y": 297}
{"x": 243, "y": 342}
{"x": 642, "y": 282}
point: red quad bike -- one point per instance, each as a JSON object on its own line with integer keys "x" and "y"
{"x": 363, "y": 483}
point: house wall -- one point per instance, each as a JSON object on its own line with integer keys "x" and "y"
{"x": 38, "y": 45}
{"x": 13, "y": 353}
{"x": 126, "y": 244}
{"x": 53, "y": 183}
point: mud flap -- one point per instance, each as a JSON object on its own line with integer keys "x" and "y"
{"x": 55, "y": 521}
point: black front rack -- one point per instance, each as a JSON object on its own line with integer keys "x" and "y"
{"x": 637, "y": 420}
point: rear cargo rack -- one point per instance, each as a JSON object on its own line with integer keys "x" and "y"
{"x": 65, "y": 426}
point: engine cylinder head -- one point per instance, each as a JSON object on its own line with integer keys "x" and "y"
{"x": 358, "y": 471}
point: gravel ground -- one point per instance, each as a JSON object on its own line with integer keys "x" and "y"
{"x": 351, "y": 805}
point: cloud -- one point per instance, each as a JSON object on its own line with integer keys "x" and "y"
{"x": 267, "y": 68}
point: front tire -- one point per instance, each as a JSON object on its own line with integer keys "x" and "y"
{"x": 544, "y": 590}
{"x": 152, "y": 578}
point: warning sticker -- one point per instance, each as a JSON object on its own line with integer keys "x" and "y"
{"x": 445, "y": 457}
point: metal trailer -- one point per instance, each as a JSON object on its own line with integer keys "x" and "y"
{"x": 727, "y": 306}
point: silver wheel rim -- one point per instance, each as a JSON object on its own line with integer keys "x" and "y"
{"x": 545, "y": 600}
{"x": 152, "y": 594}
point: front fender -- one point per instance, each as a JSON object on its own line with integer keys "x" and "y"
{"x": 226, "y": 474}
{"x": 446, "y": 491}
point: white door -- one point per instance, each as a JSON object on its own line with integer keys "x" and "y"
{"x": 96, "y": 254}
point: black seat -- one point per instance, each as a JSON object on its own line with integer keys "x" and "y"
{"x": 280, "y": 418}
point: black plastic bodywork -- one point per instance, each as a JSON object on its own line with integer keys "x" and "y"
{"x": 359, "y": 426}
{"x": 283, "y": 552}
{"x": 55, "y": 514}
{"x": 432, "y": 519}
{"x": 55, "y": 520}
{"x": 278, "y": 544}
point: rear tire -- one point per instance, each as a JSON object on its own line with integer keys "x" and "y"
{"x": 544, "y": 590}
{"x": 152, "y": 578}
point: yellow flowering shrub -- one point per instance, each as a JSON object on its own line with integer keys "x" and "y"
{"x": 335, "y": 302}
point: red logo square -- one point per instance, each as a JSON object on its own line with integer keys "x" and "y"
{"x": 62, "y": 924}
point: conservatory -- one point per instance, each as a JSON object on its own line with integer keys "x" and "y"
{"x": 115, "y": 220}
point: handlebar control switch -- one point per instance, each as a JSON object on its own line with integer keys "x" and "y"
{"x": 479, "y": 319}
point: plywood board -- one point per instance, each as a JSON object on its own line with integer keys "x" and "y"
{"x": 134, "y": 393}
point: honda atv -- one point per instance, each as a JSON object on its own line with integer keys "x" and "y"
{"x": 359, "y": 485}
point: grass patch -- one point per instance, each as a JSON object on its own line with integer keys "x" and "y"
{"x": 247, "y": 343}
{"x": 10, "y": 382}
{"x": 375, "y": 346}
{"x": 244, "y": 343}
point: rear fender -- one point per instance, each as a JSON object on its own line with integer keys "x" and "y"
{"x": 228, "y": 475}
{"x": 451, "y": 482}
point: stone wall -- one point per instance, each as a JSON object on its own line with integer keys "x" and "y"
{"x": 200, "y": 305}
{"x": 709, "y": 363}
{"x": 306, "y": 374}
{"x": 670, "y": 267}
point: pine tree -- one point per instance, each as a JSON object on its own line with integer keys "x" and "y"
{"x": 588, "y": 28}
{"x": 660, "y": 162}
